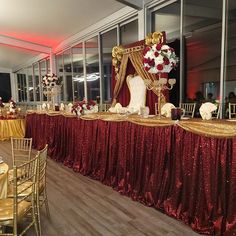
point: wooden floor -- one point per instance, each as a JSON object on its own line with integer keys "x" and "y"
{"x": 80, "y": 206}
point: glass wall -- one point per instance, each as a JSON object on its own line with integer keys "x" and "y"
{"x": 37, "y": 84}
{"x": 30, "y": 83}
{"x": 92, "y": 68}
{"x": 68, "y": 75}
{"x": 129, "y": 32}
{"x": 202, "y": 43}
{"x": 230, "y": 82}
{"x": 60, "y": 72}
{"x": 48, "y": 66}
{"x": 21, "y": 86}
{"x": 167, "y": 19}
{"x": 43, "y": 72}
{"x": 5, "y": 88}
{"x": 108, "y": 41}
{"x": 78, "y": 72}
{"x": 79, "y": 67}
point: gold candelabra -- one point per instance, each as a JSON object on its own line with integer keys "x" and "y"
{"x": 157, "y": 86}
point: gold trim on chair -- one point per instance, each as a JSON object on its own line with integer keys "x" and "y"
{"x": 41, "y": 190}
{"x": 14, "y": 210}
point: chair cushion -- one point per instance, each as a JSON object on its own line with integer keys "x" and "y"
{"x": 20, "y": 173}
{"x": 6, "y": 209}
{"x": 23, "y": 190}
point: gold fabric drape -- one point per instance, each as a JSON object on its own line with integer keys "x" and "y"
{"x": 212, "y": 128}
{"x": 136, "y": 58}
{"x": 3, "y": 180}
{"x": 120, "y": 78}
{"x": 12, "y": 128}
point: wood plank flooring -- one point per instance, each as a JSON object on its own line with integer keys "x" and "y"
{"x": 80, "y": 206}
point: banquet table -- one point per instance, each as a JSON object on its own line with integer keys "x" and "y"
{"x": 3, "y": 180}
{"x": 186, "y": 169}
{"x": 12, "y": 128}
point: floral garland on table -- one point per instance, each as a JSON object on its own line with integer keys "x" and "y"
{"x": 49, "y": 81}
{"x": 84, "y": 107}
{"x": 159, "y": 58}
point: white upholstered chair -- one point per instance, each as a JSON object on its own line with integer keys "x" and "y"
{"x": 137, "y": 91}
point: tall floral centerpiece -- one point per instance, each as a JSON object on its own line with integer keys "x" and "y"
{"x": 51, "y": 87}
{"x": 158, "y": 58}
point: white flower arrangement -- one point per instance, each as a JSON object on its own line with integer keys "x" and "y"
{"x": 206, "y": 110}
{"x": 159, "y": 58}
{"x": 49, "y": 81}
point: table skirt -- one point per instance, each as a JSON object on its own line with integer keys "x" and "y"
{"x": 187, "y": 176}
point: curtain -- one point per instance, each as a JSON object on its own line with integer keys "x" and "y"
{"x": 132, "y": 61}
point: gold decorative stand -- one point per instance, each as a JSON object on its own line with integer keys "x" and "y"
{"x": 158, "y": 86}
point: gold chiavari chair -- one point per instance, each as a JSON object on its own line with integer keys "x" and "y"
{"x": 216, "y": 113}
{"x": 21, "y": 152}
{"x": 15, "y": 210}
{"x": 189, "y": 108}
{"x": 232, "y": 110}
{"x": 41, "y": 190}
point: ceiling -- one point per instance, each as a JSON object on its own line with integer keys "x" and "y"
{"x": 45, "y": 23}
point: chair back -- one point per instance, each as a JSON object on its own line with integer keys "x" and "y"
{"x": 21, "y": 150}
{"x": 24, "y": 192}
{"x": 216, "y": 113}
{"x": 104, "y": 107}
{"x": 232, "y": 110}
{"x": 137, "y": 89}
{"x": 189, "y": 108}
{"x": 42, "y": 164}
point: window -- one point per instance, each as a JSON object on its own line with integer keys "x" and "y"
{"x": 78, "y": 72}
{"x": 167, "y": 19}
{"x": 21, "y": 85}
{"x": 5, "y": 88}
{"x": 129, "y": 32}
{"x": 92, "y": 68}
{"x": 36, "y": 81}
{"x": 30, "y": 83}
{"x": 230, "y": 82}
{"x": 68, "y": 75}
{"x": 202, "y": 34}
{"x": 43, "y": 72}
{"x": 109, "y": 40}
{"x": 60, "y": 72}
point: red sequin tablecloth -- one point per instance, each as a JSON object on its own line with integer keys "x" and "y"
{"x": 186, "y": 175}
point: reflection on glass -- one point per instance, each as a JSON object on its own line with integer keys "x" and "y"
{"x": 68, "y": 75}
{"x": 21, "y": 85}
{"x": 129, "y": 32}
{"x": 48, "y": 65}
{"x": 167, "y": 19}
{"x": 202, "y": 31}
{"x": 36, "y": 79}
{"x": 78, "y": 72}
{"x": 60, "y": 72}
{"x": 43, "y": 69}
{"x": 230, "y": 83}
{"x": 92, "y": 68}
{"x": 30, "y": 83}
{"x": 109, "y": 40}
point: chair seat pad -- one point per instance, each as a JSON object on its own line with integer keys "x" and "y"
{"x": 23, "y": 190}
{"x": 20, "y": 173}
{"x": 6, "y": 209}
